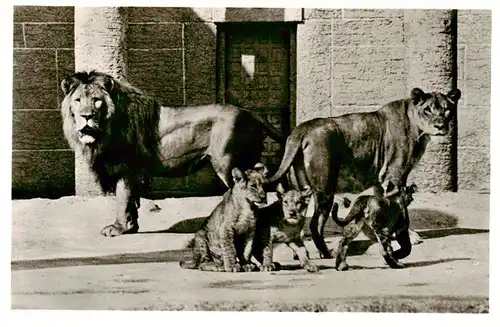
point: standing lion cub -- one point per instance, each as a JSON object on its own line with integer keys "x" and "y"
{"x": 282, "y": 222}
{"x": 224, "y": 242}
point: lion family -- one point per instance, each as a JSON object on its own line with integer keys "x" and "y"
{"x": 126, "y": 137}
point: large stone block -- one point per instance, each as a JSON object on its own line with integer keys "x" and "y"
{"x": 478, "y": 75}
{"x": 36, "y": 130}
{"x": 474, "y": 26}
{"x": 49, "y": 35}
{"x": 372, "y": 13}
{"x": 43, "y": 14}
{"x": 33, "y": 174}
{"x": 474, "y": 168}
{"x": 314, "y": 70}
{"x": 376, "y": 32}
{"x": 159, "y": 73}
{"x": 154, "y": 36}
{"x": 35, "y": 79}
{"x": 433, "y": 171}
{"x": 18, "y": 36}
{"x": 168, "y": 14}
{"x": 322, "y": 13}
{"x": 473, "y": 126}
{"x": 200, "y": 41}
{"x": 65, "y": 68}
{"x": 368, "y": 75}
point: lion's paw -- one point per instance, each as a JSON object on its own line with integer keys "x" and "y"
{"x": 311, "y": 267}
{"x": 112, "y": 231}
{"x": 273, "y": 266}
{"x": 249, "y": 267}
{"x": 117, "y": 230}
{"x": 233, "y": 268}
{"x": 415, "y": 238}
{"x": 342, "y": 266}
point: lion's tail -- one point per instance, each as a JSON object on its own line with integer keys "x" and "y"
{"x": 293, "y": 144}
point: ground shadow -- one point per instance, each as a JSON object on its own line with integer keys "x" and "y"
{"x": 410, "y": 264}
{"x": 114, "y": 259}
{"x": 187, "y": 226}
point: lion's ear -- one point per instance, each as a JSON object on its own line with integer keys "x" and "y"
{"x": 455, "y": 95}
{"x": 68, "y": 84}
{"x": 105, "y": 81}
{"x": 261, "y": 168}
{"x": 280, "y": 191}
{"x": 238, "y": 175}
{"x": 417, "y": 95}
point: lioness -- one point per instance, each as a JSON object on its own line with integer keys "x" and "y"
{"x": 378, "y": 218}
{"x": 228, "y": 233}
{"x": 282, "y": 222}
{"x": 360, "y": 152}
{"x": 127, "y": 137}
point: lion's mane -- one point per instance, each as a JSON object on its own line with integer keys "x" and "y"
{"x": 128, "y": 147}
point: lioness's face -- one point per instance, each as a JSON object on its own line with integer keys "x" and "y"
{"x": 435, "y": 110}
{"x": 250, "y": 185}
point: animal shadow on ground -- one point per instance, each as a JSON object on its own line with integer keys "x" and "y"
{"x": 410, "y": 264}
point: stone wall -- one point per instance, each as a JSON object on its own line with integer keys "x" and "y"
{"x": 474, "y": 79}
{"x": 42, "y": 163}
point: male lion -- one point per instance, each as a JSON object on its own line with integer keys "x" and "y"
{"x": 357, "y": 152}
{"x": 228, "y": 234}
{"x": 282, "y": 222}
{"x": 127, "y": 137}
{"x": 378, "y": 218}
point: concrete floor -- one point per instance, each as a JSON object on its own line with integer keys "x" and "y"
{"x": 59, "y": 261}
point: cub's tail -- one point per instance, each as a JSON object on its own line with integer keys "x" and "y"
{"x": 190, "y": 264}
{"x": 356, "y": 212}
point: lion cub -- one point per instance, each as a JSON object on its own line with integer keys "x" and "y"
{"x": 379, "y": 218}
{"x": 282, "y": 222}
{"x": 224, "y": 242}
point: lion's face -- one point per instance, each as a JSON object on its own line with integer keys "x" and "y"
{"x": 86, "y": 107}
{"x": 250, "y": 185}
{"x": 434, "y": 110}
{"x": 293, "y": 202}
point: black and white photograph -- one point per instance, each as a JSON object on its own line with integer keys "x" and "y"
{"x": 250, "y": 158}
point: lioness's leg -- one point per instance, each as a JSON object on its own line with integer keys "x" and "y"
{"x": 126, "y": 210}
{"x": 323, "y": 205}
{"x": 299, "y": 248}
{"x": 349, "y": 233}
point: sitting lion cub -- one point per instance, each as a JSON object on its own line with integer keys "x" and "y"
{"x": 282, "y": 222}
{"x": 379, "y": 218}
{"x": 227, "y": 235}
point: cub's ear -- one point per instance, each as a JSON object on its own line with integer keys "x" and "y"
{"x": 238, "y": 175}
{"x": 280, "y": 191}
{"x": 69, "y": 83}
{"x": 454, "y": 96}
{"x": 261, "y": 168}
{"x": 306, "y": 192}
{"x": 417, "y": 95}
